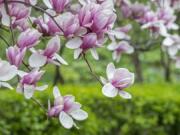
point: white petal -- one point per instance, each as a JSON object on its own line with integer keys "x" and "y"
{"x": 110, "y": 70}
{"x": 125, "y": 94}
{"x": 37, "y": 60}
{"x": 47, "y": 3}
{"x": 66, "y": 120}
{"x": 28, "y": 91}
{"x": 7, "y": 85}
{"x": 5, "y": 17}
{"x": 8, "y": 72}
{"x": 74, "y": 43}
{"x": 168, "y": 41}
{"x": 41, "y": 88}
{"x": 21, "y": 73}
{"x": 60, "y": 59}
{"x": 173, "y": 50}
{"x": 109, "y": 90}
{"x": 112, "y": 46}
{"x": 79, "y": 115}
{"x": 56, "y": 92}
{"x": 103, "y": 80}
{"x": 77, "y": 53}
{"x": 94, "y": 54}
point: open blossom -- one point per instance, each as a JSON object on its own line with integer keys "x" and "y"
{"x": 28, "y": 38}
{"x": 28, "y": 83}
{"x": 7, "y": 72}
{"x": 81, "y": 45}
{"x": 172, "y": 43}
{"x": 57, "y": 5}
{"x": 66, "y": 109}
{"x": 15, "y": 55}
{"x": 120, "y": 48}
{"x": 120, "y": 32}
{"x": 49, "y": 55}
{"x": 46, "y": 25}
{"x": 118, "y": 80}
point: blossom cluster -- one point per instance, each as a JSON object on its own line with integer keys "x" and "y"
{"x": 85, "y": 25}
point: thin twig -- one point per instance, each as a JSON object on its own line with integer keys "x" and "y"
{"x": 90, "y": 69}
{"x": 5, "y": 41}
{"x": 38, "y": 8}
{"x": 39, "y": 104}
{"x": 11, "y": 29}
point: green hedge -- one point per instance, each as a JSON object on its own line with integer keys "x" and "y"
{"x": 154, "y": 110}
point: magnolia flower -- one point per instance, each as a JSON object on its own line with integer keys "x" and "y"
{"x": 150, "y": 21}
{"x": 46, "y": 25}
{"x": 70, "y": 25}
{"x": 28, "y": 38}
{"x": 66, "y": 109}
{"x": 119, "y": 48}
{"x": 118, "y": 79}
{"x": 88, "y": 42}
{"x": 7, "y": 72}
{"x": 120, "y": 32}
{"x": 172, "y": 43}
{"x": 28, "y": 83}
{"x": 15, "y": 55}
{"x": 49, "y": 55}
{"x": 56, "y": 5}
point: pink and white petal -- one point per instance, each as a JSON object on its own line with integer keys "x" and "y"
{"x": 81, "y": 31}
{"x": 103, "y": 80}
{"x": 74, "y": 43}
{"x": 94, "y": 54}
{"x": 56, "y": 92}
{"x": 112, "y": 46}
{"x": 48, "y": 3}
{"x": 28, "y": 91}
{"x": 77, "y": 53}
{"x": 66, "y": 120}
{"x": 37, "y": 60}
{"x": 79, "y": 115}
{"x": 41, "y": 88}
{"x": 54, "y": 41}
{"x": 60, "y": 59}
{"x": 125, "y": 94}
{"x": 7, "y": 85}
{"x": 110, "y": 70}
{"x": 109, "y": 90}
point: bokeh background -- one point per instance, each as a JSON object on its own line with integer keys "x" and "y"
{"x": 153, "y": 110}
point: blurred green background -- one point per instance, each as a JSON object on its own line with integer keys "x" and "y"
{"x": 153, "y": 110}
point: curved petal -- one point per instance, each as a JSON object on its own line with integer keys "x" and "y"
{"x": 110, "y": 70}
{"x": 74, "y": 43}
{"x": 125, "y": 94}
{"x": 28, "y": 91}
{"x": 109, "y": 90}
{"x": 41, "y": 88}
{"x": 47, "y": 3}
{"x": 77, "y": 53}
{"x": 37, "y": 60}
{"x": 65, "y": 120}
{"x": 56, "y": 92}
{"x": 60, "y": 59}
{"x": 94, "y": 54}
{"x": 7, "y": 85}
{"x": 79, "y": 114}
